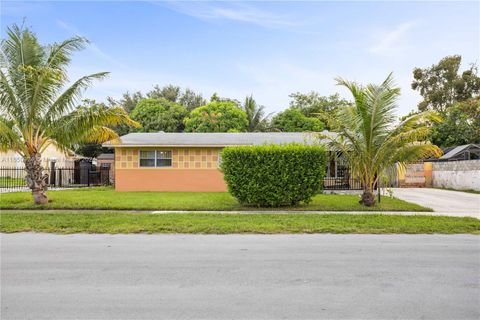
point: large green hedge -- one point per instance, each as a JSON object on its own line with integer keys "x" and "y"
{"x": 273, "y": 175}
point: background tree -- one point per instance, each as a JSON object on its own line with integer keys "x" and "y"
{"x": 168, "y": 92}
{"x": 159, "y": 115}
{"x": 257, "y": 121}
{"x": 191, "y": 100}
{"x": 216, "y": 116}
{"x": 460, "y": 125}
{"x": 187, "y": 98}
{"x": 441, "y": 85}
{"x": 313, "y": 104}
{"x": 36, "y": 111}
{"x": 369, "y": 138}
{"x": 128, "y": 101}
{"x": 293, "y": 120}
{"x": 216, "y": 98}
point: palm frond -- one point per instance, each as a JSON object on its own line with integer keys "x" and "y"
{"x": 368, "y": 136}
{"x": 69, "y": 98}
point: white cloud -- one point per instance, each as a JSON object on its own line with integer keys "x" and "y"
{"x": 92, "y": 47}
{"x": 392, "y": 41}
{"x": 234, "y": 12}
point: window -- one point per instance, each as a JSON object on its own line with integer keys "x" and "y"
{"x": 147, "y": 158}
{"x": 164, "y": 158}
{"x": 155, "y": 158}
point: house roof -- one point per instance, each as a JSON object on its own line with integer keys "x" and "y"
{"x": 459, "y": 149}
{"x": 171, "y": 139}
{"x": 106, "y": 156}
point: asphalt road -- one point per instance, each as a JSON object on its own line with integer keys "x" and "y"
{"x": 48, "y": 276}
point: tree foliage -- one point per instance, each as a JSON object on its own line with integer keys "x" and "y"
{"x": 257, "y": 120}
{"x": 460, "y": 125}
{"x": 191, "y": 100}
{"x": 216, "y": 116}
{"x": 313, "y": 104}
{"x": 159, "y": 115}
{"x": 168, "y": 92}
{"x": 216, "y": 98}
{"x": 273, "y": 175}
{"x": 293, "y": 120}
{"x": 369, "y": 138}
{"x": 38, "y": 108}
{"x": 441, "y": 85}
{"x": 187, "y": 98}
{"x": 128, "y": 101}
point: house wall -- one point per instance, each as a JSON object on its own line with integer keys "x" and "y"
{"x": 457, "y": 174}
{"x": 193, "y": 169}
{"x": 111, "y": 172}
{"x": 416, "y": 175}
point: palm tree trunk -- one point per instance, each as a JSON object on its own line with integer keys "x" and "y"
{"x": 368, "y": 198}
{"x": 36, "y": 179}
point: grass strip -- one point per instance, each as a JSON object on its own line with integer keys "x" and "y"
{"x": 109, "y": 199}
{"x": 117, "y": 222}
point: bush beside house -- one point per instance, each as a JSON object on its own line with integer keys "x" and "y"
{"x": 273, "y": 175}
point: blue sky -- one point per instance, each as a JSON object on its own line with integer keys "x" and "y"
{"x": 268, "y": 49}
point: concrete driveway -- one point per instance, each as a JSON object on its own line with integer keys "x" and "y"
{"x": 47, "y": 276}
{"x": 452, "y": 203}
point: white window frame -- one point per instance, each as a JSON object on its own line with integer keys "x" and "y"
{"x": 155, "y": 159}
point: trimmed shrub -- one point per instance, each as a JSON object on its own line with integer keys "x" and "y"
{"x": 274, "y": 175}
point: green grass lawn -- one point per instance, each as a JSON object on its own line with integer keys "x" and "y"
{"x": 120, "y": 222}
{"x": 9, "y": 182}
{"x": 107, "y": 198}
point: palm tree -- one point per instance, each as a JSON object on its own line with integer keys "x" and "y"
{"x": 370, "y": 139}
{"x": 257, "y": 121}
{"x": 37, "y": 108}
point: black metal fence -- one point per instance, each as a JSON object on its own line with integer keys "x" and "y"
{"x": 14, "y": 178}
{"x": 341, "y": 183}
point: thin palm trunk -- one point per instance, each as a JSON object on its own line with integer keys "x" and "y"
{"x": 36, "y": 179}
{"x": 368, "y": 198}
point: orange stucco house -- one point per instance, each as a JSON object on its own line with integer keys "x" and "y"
{"x": 183, "y": 161}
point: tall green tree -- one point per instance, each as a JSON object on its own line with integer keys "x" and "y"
{"x": 159, "y": 115}
{"x": 257, "y": 120}
{"x": 191, "y": 100}
{"x": 369, "y": 138}
{"x": 128, "y": 101}
{"x": 187, "y": 98}
{"x": 37, "y": 111}
{"x": 313, "y": 104}
{"x": 216, "y": 98}
{"x": 460, "y": 125}
{"x": 293, "y": 120}
{"x": 442, "y": 85}
{"x": 168, "y": 92}
{"x": 216, "y": 116}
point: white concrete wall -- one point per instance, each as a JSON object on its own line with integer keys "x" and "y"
{"x": 457, "y": 175}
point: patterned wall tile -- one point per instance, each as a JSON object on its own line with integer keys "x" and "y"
{"x": 182, "y": 158}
